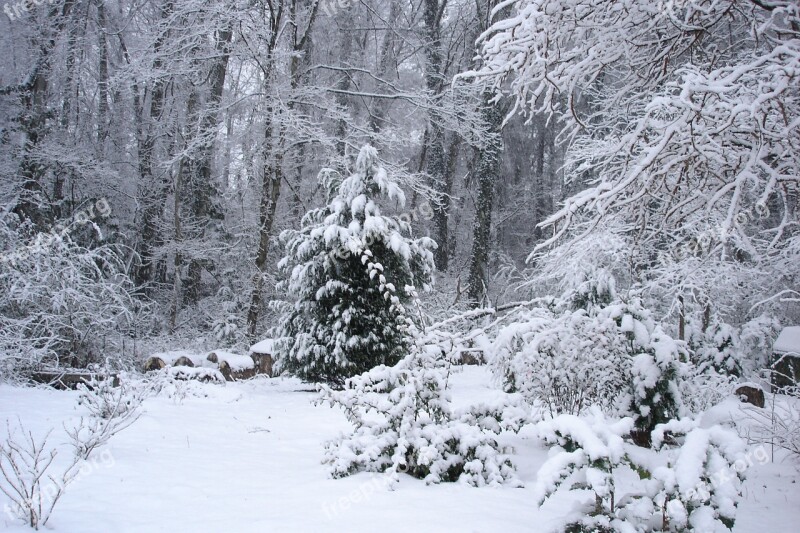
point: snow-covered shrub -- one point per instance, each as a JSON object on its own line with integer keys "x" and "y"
{"x": 26, "y": 476}
{"x": 654, "y": 394}
{"x": 403, "y": 423}
{"x": 350, "y": 273}
{"x": 507, "y": 354}
{"x": 718, "y": 349}
{"x": 57, "y": 300}
{"x": 777, "y": 425}
{"x": 699, "y": 487}
{"x": 564, "y": 362}
{"x": 608, "y": 353}
{"x": 201, "y": 374}
{"x": 226, "y": 328}
{"x": 692, "y": 484}
{"x": 105, "y": 399}
{"x": 596, "y": 289}
{"x": 181, "y": 382}
{"x": 721, "y": 356}
{"x": 111, "y": 410}
{"x": 585, "y": 454}
{"x": 702, "y": 390}
{"x": 756, "y": 337}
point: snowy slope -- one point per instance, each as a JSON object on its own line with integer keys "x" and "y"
{"x": 247, "y": 458}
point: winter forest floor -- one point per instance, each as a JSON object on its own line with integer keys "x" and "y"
{"x": 246, "y": 457}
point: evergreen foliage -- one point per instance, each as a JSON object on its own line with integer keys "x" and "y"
{"x": 350, "y": 274}
{"x": 692, "y": 484}
{"x": 404, "y": 423}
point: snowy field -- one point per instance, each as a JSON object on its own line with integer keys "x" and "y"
{"x": 246, "y": 457}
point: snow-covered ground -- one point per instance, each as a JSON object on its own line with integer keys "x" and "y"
{"x": 247, "y": 458}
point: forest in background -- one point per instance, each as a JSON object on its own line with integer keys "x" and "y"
{"x": 152, "y": 152}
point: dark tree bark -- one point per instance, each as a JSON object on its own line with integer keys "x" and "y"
{"x": 435, "y": 159}
{"x": 33, "y": 204}
{"x": 487, "y": 174}
{"x": 203, "y": 188}
{"x": 154, "y": 187}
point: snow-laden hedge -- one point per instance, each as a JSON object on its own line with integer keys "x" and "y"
{"x": 609, "y": 353}
{"x": 59, "y": 301}
{"x": 404, "y": 423}
{"x": 690, "y": 481}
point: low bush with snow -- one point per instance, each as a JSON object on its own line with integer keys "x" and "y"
{"x": 691, "y": 484}
{"x": 592, "y": 348}
{"x": 403, "y": 423}
{"x": 59, "y": 301}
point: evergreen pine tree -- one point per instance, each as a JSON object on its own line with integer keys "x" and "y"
{"x": 654, "y": 397}
{"x": 350, "y": 274}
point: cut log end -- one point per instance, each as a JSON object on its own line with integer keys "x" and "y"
{"x": 751, "y": 394}
{"x": 263, "y": 363}
{"x": 154, "y": 364}
{"x": 236, "y": 375}
{"x": 183, "y": 361}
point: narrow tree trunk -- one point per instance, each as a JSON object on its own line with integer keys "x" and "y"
{"x": 153, "y": 189}
{"x": 274, "y": 145}
{"x": 706, "y": 315}
{"x": 270, "y": 195}
{"x": 435, "y": 154}
{"x": 102, "y": 83}
{"x": 377, "y": 117}
{"x": 488, "y": 174}
{"x": 204, "y": 187}
{"x": 177, "y": 282}
{"x": 344, "y": 84}
{"x": 32, "y": 204}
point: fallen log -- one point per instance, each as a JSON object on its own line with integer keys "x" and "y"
{"x": 158, "y": 361}
{"x": 183, "y": 361}
{"x": 70, "y": 380}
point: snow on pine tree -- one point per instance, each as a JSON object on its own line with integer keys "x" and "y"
{"x": 654, "y": 395}
{"x": 718, "y": 349}
{"x": 350, "y": 272}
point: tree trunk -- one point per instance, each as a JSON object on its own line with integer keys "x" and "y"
{"x": 377, "y": 117}
{"x": 204, "y": 187}
{"x": 153, "y": 189}
{"x": 435, "y": 153}
{"x": 102, "y": 83}
{"x": 488, "y": 174}
{"x": 270, "y": 195}
{"x": 274, "y": 144}
{"x": 177, "y": 282}
{"x": 32, "y": 204}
